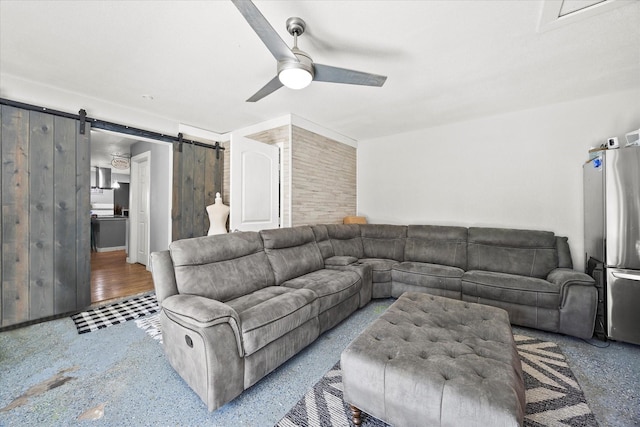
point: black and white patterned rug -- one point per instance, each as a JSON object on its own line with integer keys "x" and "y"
{"x": 108, "y": 315}
{"x": 554, "y": 398}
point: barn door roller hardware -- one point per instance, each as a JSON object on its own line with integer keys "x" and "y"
{"x": 216, "y": 146}
{"x": 83, "y": 120}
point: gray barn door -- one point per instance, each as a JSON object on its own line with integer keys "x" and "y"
{"x": 45, "y": 216}
{"x": 197, "y": 176}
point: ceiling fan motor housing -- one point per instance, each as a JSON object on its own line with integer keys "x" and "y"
{"x": 305, "y": 62}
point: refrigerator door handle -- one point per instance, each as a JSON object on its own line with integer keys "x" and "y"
{"x": 627, "y": 276}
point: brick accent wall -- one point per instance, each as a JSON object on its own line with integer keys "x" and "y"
{"x": 323, "y": 179}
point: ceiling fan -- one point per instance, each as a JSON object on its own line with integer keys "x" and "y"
{"x": 296, "y": 69}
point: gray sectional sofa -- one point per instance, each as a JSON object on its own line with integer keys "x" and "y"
{"x": 236, "y": 306}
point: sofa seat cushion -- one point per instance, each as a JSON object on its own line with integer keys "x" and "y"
{"x": 381, "y": 268}
{"x": 511, "y": 288}
{"x": 413, "y": 271}
{"x": 435, "y": 279}
{"x": 269, "y": 313}
{"x": 331, "y": 286}
{"x": 421, "y": 273}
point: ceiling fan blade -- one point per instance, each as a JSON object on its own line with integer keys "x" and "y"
{"x": 267, "y": 89}
{"x": 327, "y": 73}
{"x": 264, "y": 30}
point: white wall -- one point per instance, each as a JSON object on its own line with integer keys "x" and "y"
{"x": 520, "y": 170}
{"x": 160, "y": 192}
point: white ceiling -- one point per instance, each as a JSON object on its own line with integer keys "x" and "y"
{"x": 105, "y": 146}
{"x": 446, "y": 61}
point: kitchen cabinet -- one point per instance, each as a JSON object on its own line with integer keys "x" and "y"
{"x": 109, "y": 233}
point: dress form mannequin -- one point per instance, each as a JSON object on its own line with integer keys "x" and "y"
{"x": 218, "y": 213}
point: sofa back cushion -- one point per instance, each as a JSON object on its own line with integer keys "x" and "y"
{"x": 383, "y": 241}
{"x": 292, "y": 252}
{"x": 564, "y": 253}
{"x": 523, "y": 252}
{"x": 322, "y": 239}
{"x": 346, "y": 240}
{"x": 436, "y": 244}
{"x": 221, "y": 267}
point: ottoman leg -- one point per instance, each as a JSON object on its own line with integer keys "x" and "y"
{"x": 356, "y": 415}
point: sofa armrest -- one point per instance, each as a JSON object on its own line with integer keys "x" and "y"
{"x": 578, "y": 304}
{"x": 164, "y": 278}
{"x": 340, "y": 261}
{"x": 200, "y": 313}
{"x": 566, "y": 277}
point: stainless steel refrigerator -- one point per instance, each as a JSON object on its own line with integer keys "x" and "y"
{"x": 612, "y": 236}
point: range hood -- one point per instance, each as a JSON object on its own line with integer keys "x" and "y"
{"x": 103, "y": 178}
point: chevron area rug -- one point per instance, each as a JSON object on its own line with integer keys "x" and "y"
{"x": 553, "y": 395}
{"x": 109, "y": 315}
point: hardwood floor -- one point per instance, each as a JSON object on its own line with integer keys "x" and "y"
{"x": 112, "y": 277}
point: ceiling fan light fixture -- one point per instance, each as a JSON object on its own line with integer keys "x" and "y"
{"x": 295, "y": 78}
{"x": 296, "y": 74}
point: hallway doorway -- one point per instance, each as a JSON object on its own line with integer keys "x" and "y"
{"x": 115, "y": 274}
{"x": 113, "y": 278}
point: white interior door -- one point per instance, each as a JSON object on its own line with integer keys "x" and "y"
{"x": 254, "y": 186}
{"x": 139, "y": 215}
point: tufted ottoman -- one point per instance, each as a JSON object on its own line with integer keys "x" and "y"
{"x": 434, "y": 361}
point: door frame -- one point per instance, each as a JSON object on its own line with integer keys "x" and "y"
{"x": 280, "y": 146}
{"x": 134, "y": 194}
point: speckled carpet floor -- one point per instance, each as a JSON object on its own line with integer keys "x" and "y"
{"x": 554, "y": 397}
{"x": 118, "y": 376}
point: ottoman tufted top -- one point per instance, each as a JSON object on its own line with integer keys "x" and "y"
{"x": 436, "y": 361}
